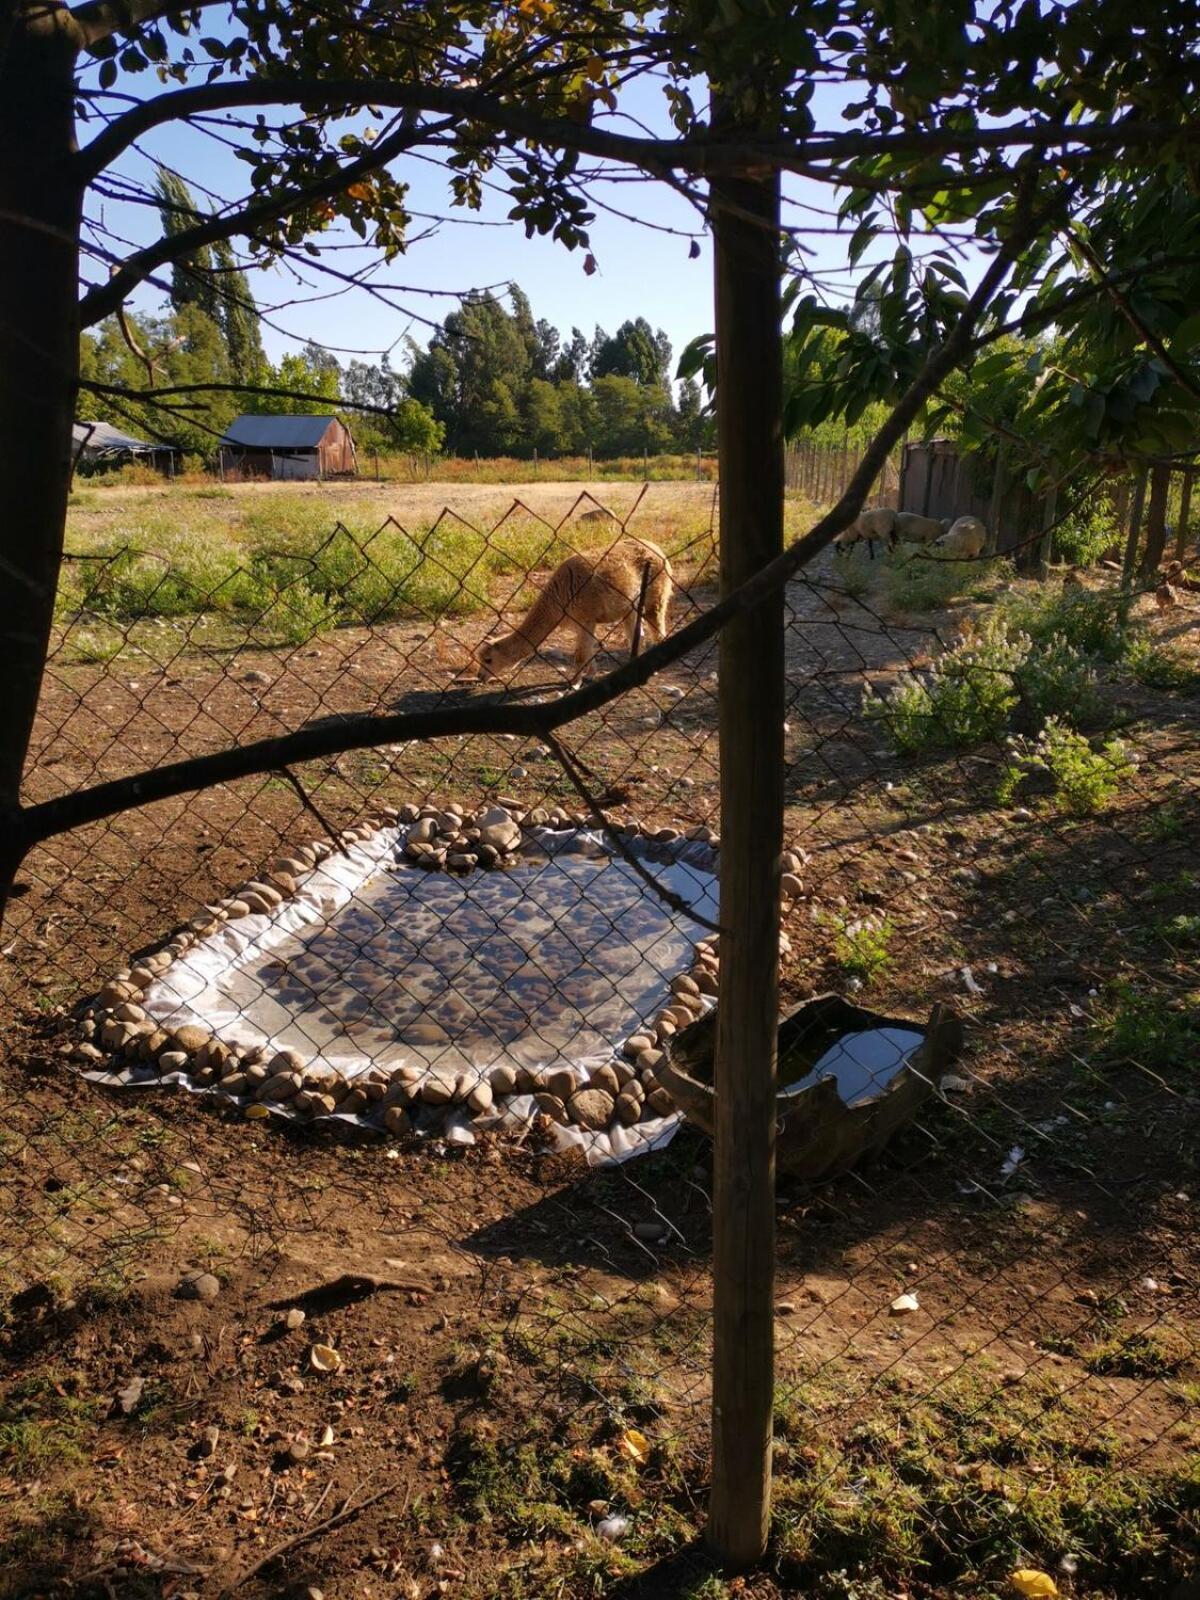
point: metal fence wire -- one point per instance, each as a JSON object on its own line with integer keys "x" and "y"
{"x": 352, "y": 1239}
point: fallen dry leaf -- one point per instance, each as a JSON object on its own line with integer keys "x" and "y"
{"x": 1033, "y": 1584}
{"x": 634, "y": 1446}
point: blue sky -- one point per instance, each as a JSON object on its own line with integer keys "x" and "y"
{"x": 642, "y": 271}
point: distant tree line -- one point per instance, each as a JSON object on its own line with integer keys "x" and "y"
{"x": 501, "y": 383}
{"x": 493, "y": 381}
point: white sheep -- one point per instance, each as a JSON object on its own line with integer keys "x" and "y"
{"x": 879, "y": 523}
{"x": 965, "y": 539}
{"x": 916, "y": 529}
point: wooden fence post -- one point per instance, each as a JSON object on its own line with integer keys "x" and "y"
{"x": 1135, "y": 526}
{"x": 999, "y": 477}
{"x": 1046, "y": 542}
{"x": 1156, "y": 521}
{"x": 745, "y": 215}
{"x": 1185, "y": 506}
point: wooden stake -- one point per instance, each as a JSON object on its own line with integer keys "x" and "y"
{"x": 1135, "y": 525}
{"x": 745, "y": 216}
{"x": 1185, "y": 506}
{"x": 1156, "y": 521}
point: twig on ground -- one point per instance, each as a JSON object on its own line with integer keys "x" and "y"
{"x": 668, "y": 896}
{"x": 309, "y": 804}
{"x": 347, "y": 1512}
{"x": 350, "y": 1286}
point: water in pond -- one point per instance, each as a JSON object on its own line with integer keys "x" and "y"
{"x": 552, "y": 960}
{"x": 863, "y": 1063}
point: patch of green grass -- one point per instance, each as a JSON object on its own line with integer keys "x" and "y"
{"x": 44, "y": 1424}
{"x": 28, "y": 1449}
{"x": 1142, "y": 1028}
{"x": 1151, "y": 1353}
{"x": 1093, "y": 620}
{"x": 1166, "y": 822}
{"x": 1183, "y": 883}
{"x": 955, "y": 1490}
{"x": 522, "y": 1486}
{"x": 295, "y": 614}
{"x": 925, "y": 582}
{"x": 93, "y": 645}
{"x": 853, "y": 573}
{"x": 1182, "y": 931}
{"x": 861, "y": 945}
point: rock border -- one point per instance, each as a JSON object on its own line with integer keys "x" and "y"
{"x": 625, "y": 1091}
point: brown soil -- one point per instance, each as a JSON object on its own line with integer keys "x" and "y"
{"x": 526, "y": 1311}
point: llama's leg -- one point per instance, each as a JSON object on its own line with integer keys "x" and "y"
{"x": 660, "y": 604}
{"x": 651, "y": 623}
{"x": 586, "y": 645}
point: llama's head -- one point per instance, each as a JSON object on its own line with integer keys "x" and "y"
{"x": 497, "y": 656}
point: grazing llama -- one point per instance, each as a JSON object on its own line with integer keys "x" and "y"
{"x": 584, "y": 593}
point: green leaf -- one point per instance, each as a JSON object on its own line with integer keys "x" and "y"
{"x": 1187, "y": 334}
{"x": 861, "y": 238}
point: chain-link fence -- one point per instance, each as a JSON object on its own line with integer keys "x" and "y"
{"x": 355, "y": 1239}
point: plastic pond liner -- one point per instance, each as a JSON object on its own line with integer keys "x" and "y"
{"x": 355, "y": 982}
{"x": 434, "y": 973}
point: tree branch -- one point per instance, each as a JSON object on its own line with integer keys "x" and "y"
{"x": 27, "y": 826}
{"x": 704, "y": 154}
{"x": 104, "y": 299}
{"x": 1139, "y": 325}
{"x": 156, "y": 396}
{"x": 98, "y": 20}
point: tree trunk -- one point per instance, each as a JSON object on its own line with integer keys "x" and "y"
{"x": 1156, "y": 522}
{"x": 1185, "y": 508}
{"x": 1135, "y": 528}
{"x": 1046, "y": 544}
{"x": 40, "y": 206}
{"x": 751, "y": 711}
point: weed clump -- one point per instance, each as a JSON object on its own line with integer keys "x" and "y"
{"x": 1084, "y": 778}
{"x": 971, "y": 693}
{"x": 861, "y": 945}
{"x": 927, "y": 582}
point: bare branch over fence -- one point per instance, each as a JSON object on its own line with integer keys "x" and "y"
{"x": 30, "y": 825}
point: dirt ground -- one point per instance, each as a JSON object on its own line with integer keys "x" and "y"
{"x": 522, "y": 1344}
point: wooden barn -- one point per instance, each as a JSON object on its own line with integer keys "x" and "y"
{"x": 288, "y": 447}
